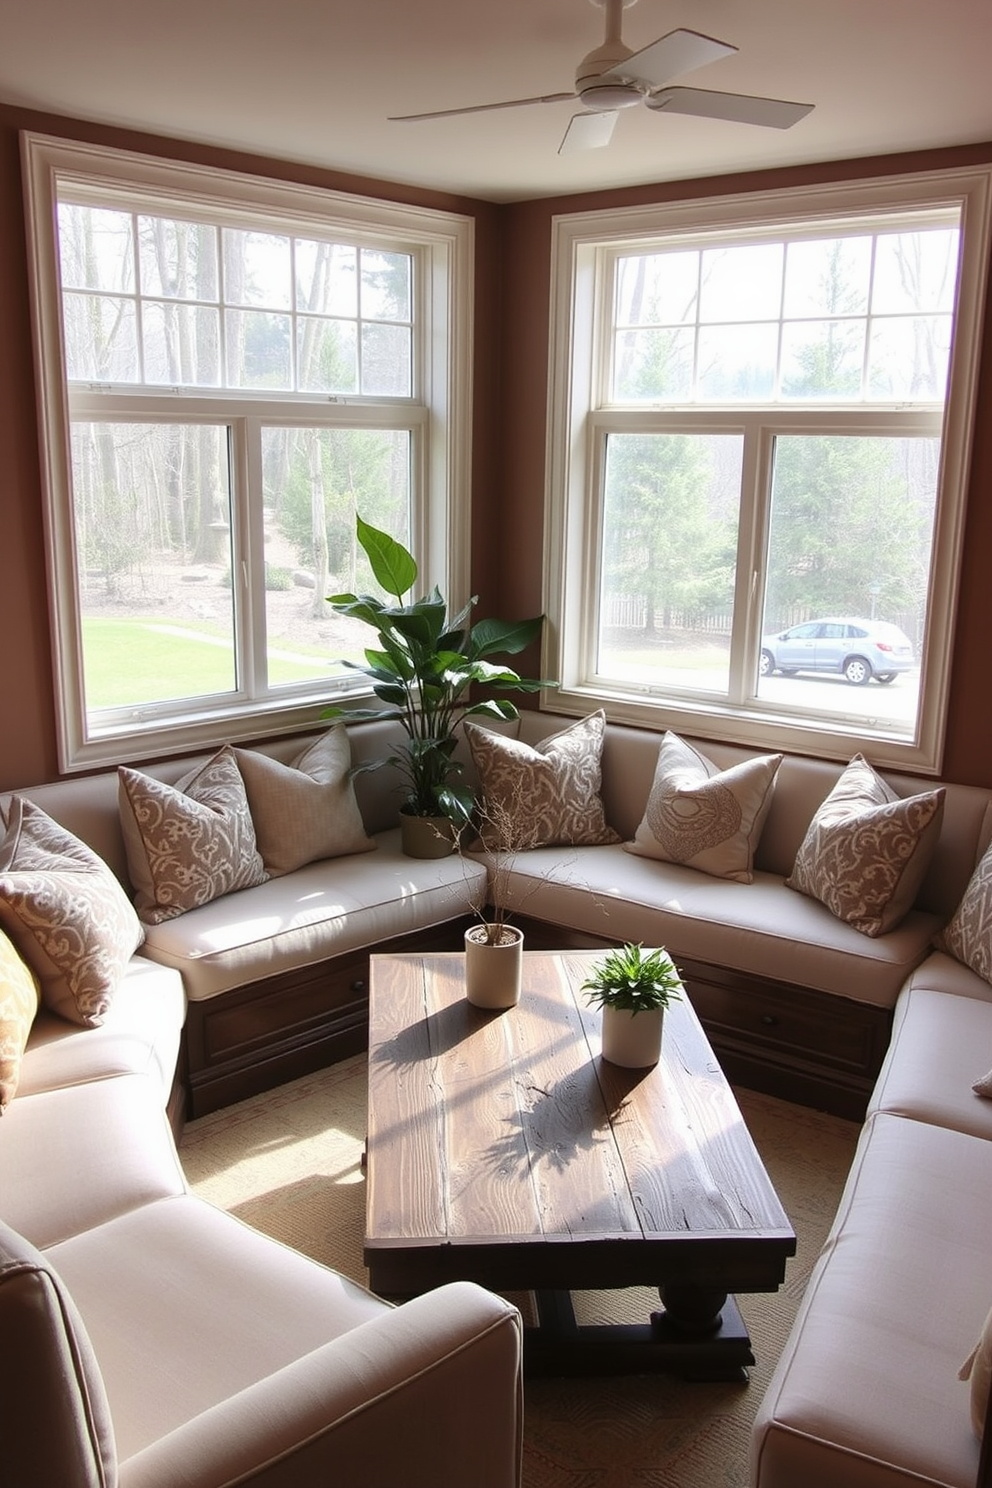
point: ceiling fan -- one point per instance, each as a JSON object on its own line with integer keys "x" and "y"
{"x": 612, "y": 77}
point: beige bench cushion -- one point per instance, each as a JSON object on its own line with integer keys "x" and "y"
{"x": 139, "y": 1035}
{"x": 762, "y": 927}
{"x": 75, "y": 1158}
{"x": 941, "y": 1044}
{"x": 323, "y": 909}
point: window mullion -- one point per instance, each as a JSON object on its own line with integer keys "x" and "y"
{"x": 248, "y": 554}
{"x": 752, "y": 537}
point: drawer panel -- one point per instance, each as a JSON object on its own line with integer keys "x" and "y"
{"x": 814, "y": 1026}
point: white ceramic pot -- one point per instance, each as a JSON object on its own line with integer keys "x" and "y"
{"x": 632, "y": 1039}
{"x": 493, "y": 969}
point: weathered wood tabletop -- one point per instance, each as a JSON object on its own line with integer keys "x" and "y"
{"x": 503, "y": 1149}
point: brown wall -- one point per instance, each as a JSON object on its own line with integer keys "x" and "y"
{"x": 526, "y": 287}
{"x": 510, "y": 414}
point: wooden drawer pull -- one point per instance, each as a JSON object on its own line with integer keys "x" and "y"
{"x": 769, "y": 1020}
{"x": 358, "y": 985}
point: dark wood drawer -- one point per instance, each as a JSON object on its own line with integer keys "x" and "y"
{"x": 820, "y": 1026}
{"x": 258, "y": 1036}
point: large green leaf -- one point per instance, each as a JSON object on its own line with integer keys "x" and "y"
{"x": 492, "y": 708}
{"x": 388, "y": 665}
{"x": 362, "y": 715}
{"x": 358, "y": 607}
{"x": 394, "y": 567}
{"x": 420, "y": 623}
{"x": 490, "y": 636}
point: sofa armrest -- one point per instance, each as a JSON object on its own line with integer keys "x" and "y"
{"x": 437, "y": 1381}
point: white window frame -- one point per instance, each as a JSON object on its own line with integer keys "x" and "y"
{"x": 579, "y": 417}
{"x": 438, "y": 415}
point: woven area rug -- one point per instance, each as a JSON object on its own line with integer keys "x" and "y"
{"x": 289, "y": 1163}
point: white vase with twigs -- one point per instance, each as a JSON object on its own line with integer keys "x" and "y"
{"x": 494, "y": 946}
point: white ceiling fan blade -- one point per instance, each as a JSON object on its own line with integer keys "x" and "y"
{"x": 588, "y": 131}
{"x": 480, "y": 108}
{"x": 739, "y": 108}
{"x": 671, "y": 56}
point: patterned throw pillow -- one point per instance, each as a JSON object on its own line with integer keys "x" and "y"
{"x": 19, "y": 999}
{"x": 866, "y": 849}
{"x": 707, "y": 818}
{"x": 66, "y": 913}
{"x": 547, "y": 793}
{"x": 968, "y": 937}
{"x": 190, "y": 842}
{"x": 306, "y": 810}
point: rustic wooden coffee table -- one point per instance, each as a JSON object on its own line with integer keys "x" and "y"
{"x": 503, "y": 1149}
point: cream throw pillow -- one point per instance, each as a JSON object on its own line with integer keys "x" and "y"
{"x": 968, "y": 937}
{"x": 65, "y": 912}
{"x": 20, "y": 996}
{"x": 978, "y": 1368}
{"x": 306, "y": 810}
{"x": 704, "y": 817}
{"x": 547, "y": 793}
{"x": 866, "y": 850}
{"x": 190, "y": 842}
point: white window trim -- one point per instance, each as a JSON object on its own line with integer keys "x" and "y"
{"x": 443, "y": 378}
{"x": 578, "y": 324}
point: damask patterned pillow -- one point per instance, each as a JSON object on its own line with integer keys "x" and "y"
{"x": 307, "y": 810}
{"x": 66, "y": 913}
{"x": 968, "y": 937}
{"x": 20, "y": 995}
{"x": 190, "y": 842}
{"x": 704, "y": 817}
{"x": 866, "y": 850}
{"x": 546, "y": 793}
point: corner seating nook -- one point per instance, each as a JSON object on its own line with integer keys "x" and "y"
{"x": 796, "y": 1001}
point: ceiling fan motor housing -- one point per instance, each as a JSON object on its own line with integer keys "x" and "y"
{"x": 597, "y": 91}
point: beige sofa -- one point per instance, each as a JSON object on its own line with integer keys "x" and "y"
{"x": 866, "y": 1392}
{"x": 152, "y": 1340}
{"x": 795, "y": 1000}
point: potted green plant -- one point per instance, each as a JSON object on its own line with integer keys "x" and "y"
{"x": 633, "y": 987}
{"x": 422, "y": 670}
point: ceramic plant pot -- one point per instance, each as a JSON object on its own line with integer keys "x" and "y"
{"x": 492, "y": 969}
{"x": 632, "y": 1040}
{"x": 427, "y": 836}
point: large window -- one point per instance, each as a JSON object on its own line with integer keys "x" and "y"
{"x": 761, "y": 415}
{"x": 230, "y": 369}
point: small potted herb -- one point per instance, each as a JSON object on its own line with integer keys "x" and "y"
{"x": 633, "y": 987}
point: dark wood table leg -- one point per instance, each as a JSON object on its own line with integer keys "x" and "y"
{"x": 703, "y": 1339}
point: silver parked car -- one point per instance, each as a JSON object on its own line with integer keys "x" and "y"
{"x": 856, "y": 649}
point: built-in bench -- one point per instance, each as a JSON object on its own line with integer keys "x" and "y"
{"x": 796, "y": 1001}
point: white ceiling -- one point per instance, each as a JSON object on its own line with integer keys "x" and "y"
{"x": 315, "y": 81}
